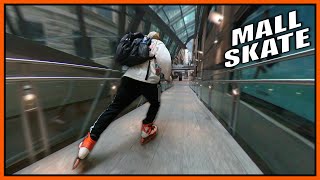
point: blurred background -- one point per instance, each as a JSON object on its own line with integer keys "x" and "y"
{"x": 53, "y": 51}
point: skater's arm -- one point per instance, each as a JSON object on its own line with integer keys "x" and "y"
{"x": 164, "y": 60}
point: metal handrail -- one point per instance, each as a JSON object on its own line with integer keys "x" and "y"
{"x": 308, "y": 52}
{"x": 307, "y": 82}
{"x": 32, "y": 61}
{"x": 19, "y": 79}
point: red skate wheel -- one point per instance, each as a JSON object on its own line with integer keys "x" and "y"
{"x": 76, "y": 163}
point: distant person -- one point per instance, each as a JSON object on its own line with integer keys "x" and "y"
{"x": 133, "y": 84}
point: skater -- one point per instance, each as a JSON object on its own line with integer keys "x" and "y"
{"x": 142, "y": 79}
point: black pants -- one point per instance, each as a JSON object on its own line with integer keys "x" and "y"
{"x": 128, "y": 91}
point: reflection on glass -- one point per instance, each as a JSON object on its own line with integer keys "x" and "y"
{"x": 292, "y": 105}
{"x": 284, "y": 103}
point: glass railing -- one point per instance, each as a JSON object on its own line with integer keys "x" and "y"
{"x": 272, "y": 119}
{"x": 46, "y": 112}
{"x": 61, "y": 95}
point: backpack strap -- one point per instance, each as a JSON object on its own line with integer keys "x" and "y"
{"x": 148, "y": 71}
{"x": 154, "y": 57}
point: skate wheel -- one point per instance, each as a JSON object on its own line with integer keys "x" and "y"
{"x": 76, "y": 163}
{"x": 148, "y": 139}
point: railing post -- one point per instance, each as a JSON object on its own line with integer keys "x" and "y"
{"x": 26, "y": 126}
{"x": 235, "y": 108}
{"x": 93, "y": 105}
{"x": 42, "y": 123}
{"x": 210, "y": 96}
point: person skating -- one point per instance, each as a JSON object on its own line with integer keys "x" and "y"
{"x": 142, "y": 79}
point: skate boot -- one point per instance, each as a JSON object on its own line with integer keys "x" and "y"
{"x": 148, "y": 132}
{"x": 84, "y": 149}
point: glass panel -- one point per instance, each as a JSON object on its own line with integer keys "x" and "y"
{"x": 103, "y": 49}
{"x": 281, "y": 113}
{"x": 131, "y": 11}
{"x": 146, "y": 27}
{"x": 12, "y": 17}
{"x": 172, "y": 50}
{"x": 106, "y": 13}
{"x": 283, "y": 70}
{"x": 60, "y": 28}
{"x": 63, "y": 113}
{"x": 169, "y": 43}
{"x": 181, "y": 35}
{"x": 257, "y": 122}
{"x": 155, "y": 7}
{"x": 173, "y": 29}
{"x": 190, "y": 30}
{"x": 65, "y": 109}
{"x": 298, "y": 96}
{"x": 218, "y": 99}
{"x": 115, "y": 7}
{"x": 172, "y": 47}
{"x": 178, "y": 25}
{"x": 190, "y": 17}
{"x": 258, "y": 125}
{"x": 44, "y": 30}
{"x": 163, "y": 16}
{"x": 165, "y": 39}
{"x": 172, "y": 11}
{"x": 279, "y": 96}
{"x": 184, "y": 39}
{"x": 128, "y": 20}
{"x": 186, "y": 8}
{"x": 102, "y": 30}
{"x": 141, "y": 26}
{"x": 154, "y": 28}
{"x": 16, "y": 148}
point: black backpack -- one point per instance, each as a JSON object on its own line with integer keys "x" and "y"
{"x": 133, "y": 49}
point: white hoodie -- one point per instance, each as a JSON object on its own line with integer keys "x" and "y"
{"x": 162, "y": 57}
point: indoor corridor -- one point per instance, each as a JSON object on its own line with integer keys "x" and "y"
{"x": 190, "y": 141}
{"x": 255, "y": 116}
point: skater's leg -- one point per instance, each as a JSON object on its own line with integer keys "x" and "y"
{"x": 126, "y": 93}
{"x": 148, "y": 130}
{"x": 152, "y": 93}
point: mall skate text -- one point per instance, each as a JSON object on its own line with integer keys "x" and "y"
{"x": 268, "y": 45}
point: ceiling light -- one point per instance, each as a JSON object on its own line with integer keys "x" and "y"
{"x": 215, "y": 17}
{"x": 235, "y": 91}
